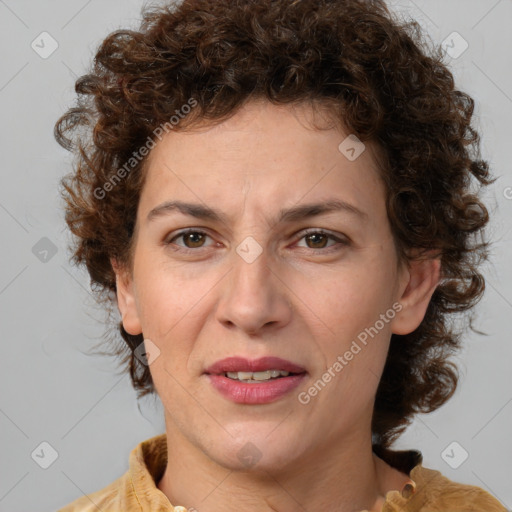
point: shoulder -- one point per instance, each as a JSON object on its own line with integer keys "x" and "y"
{"x": 109, "y": 498}
{"x": 434, "y": 492}
{"x": 136, "y": 489}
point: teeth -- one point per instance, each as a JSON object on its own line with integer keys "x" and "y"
{"x": 261, "y": 375}
{"x": 257, "y": 376}
{"x": 246, "y": 375}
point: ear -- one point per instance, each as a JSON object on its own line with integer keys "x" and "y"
{"x": 421, "y": 278}
{"x": 126, "y": 299}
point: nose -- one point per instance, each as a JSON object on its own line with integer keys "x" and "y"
{"x": 253, "y": 297}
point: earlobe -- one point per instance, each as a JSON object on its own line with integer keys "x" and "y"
{"x": 423, "y": 278}
{"x": 126, "y": 300}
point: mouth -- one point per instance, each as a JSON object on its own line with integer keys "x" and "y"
{"x": 262, "y": 369}
{"x": 260, "y": 381}
{"x": 255, "y": 377}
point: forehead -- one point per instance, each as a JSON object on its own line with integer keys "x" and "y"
{"x": 265, "y": 153}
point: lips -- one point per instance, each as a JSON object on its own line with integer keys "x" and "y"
{"x": 254, "y": 392}
{"x": 241, "y": 364}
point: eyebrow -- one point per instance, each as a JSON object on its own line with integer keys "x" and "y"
{"x": 293, "y": 214}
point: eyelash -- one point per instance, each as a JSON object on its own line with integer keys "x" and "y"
{"x": 311, "y": 231}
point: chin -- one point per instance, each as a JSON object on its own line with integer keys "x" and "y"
{"x": 256, "y": 453}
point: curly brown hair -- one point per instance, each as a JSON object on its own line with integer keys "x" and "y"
{"x": 377, "y": 73}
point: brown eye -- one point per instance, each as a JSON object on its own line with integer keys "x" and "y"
{"x": 318, "y": 240}
{"x": 195, "y": 239}
{"x": 191, "y": 239}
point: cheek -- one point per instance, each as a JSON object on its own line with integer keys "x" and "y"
{"x": 166, "y": 297}
{"x": 173, "y": 306}
{"x": 350, "y": 304}
{"x": 353, "y": 300}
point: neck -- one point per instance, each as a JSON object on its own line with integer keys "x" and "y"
{"x": 347, "y": 477}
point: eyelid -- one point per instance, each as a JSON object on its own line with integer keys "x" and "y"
{"x": 310, "y": 231}
{"x": 180, "y": 233}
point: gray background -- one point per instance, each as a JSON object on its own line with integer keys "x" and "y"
{"x": 52, "y": 391}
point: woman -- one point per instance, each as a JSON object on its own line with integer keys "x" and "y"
{"x": 282, "y": 197}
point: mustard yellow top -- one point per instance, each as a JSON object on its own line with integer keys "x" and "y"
{"x": 427, "y": 490}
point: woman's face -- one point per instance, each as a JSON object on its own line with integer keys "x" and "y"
{"x": 263, "y": 276}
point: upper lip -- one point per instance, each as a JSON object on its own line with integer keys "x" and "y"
{"x": 241, "y": 364}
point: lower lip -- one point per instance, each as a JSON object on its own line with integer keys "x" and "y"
{"x": 261, "y": 393}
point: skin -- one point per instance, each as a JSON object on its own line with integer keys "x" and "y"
{"x": 302, "y": 299}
